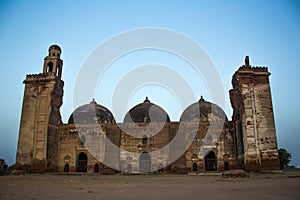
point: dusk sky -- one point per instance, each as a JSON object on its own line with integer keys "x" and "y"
{"x": 267, "y": 31}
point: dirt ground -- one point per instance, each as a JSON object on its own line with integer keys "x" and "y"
{"x": 187, "y": 187}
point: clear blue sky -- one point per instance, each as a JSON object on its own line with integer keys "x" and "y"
{"x": 267, "y": 31}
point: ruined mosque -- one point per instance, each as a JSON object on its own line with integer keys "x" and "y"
{"x": 246, "y": 141}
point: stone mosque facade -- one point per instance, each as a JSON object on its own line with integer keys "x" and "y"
{"x": 46, "y": 144}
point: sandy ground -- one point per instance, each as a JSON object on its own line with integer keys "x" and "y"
{"x": 187, "y": 187}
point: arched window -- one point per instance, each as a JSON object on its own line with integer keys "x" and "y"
{"x": 145, "y": 140}
{"x": 50, "y": 67}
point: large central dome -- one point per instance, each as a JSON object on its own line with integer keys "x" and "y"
{"x": 146, "y": 112}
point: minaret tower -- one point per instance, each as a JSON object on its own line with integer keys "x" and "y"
{"x": 40, "y": 119}
{"x": 253, "y": 118}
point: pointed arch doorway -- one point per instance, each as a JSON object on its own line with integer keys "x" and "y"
{"x": 210, "y": 161}
{"x": 145, "y": 163}
{"x": 82, "y": 162}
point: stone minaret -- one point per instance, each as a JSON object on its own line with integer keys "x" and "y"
{"x": 253, "y": 118}
{"x": 40, "y": 119}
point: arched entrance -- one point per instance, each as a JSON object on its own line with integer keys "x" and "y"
{"x": 82, "y": 162}
{"x": 96, "y": 168}
{"x": 210, "y": 161}
{"x": 145, "y": 163}
{"x": 194, "y": 160}
{"x": 195, "y": 167}
{"x": 66, "y": 168}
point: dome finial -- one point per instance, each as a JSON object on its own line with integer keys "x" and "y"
{"x": 201, "y": 98}
{"x": 146, "y": 100}
{"x": 93, "y": 101}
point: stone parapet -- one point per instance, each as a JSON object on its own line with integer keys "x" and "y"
{"x": 40, "y": 77}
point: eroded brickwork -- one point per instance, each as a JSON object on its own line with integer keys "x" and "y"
{"x": 40, "y": 120}
{"x": 253, "y": 118}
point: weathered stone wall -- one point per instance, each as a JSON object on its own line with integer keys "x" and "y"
{"x": 33, "y": 135}
{"x": 26, "y": 135}
{"x": 179, "y": 164}
{"x": 40, "y": 120}
{"x": 139, "y": 139}
{"x": 92, "y": 140}
{"x": 112, "y": 153}
{"x": 68, "y": 144}
{"x": 54, "y": 124}
{"x": 217, "y": 137}
{"x": 253, "y": 118}
{"x": 194, "y": 137}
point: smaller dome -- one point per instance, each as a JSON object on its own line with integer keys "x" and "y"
{"x": 90, "y": 114}
{"x": 54, "y": 47}
{"x": 146, "y": 112}
{"x": 207, "y": 112}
